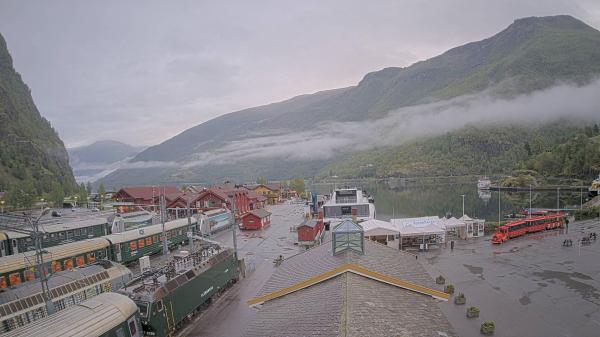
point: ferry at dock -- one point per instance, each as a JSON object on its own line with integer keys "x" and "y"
{"x": 484, "y": 183}
{"x": 342, "y": 203}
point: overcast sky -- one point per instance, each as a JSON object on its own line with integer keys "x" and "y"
{"x": 143, "y": 71}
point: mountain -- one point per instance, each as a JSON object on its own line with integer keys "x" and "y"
{"x": 31, "y": 151}
{"x": 90, "y": 161}
{"x": 531, "y": 54}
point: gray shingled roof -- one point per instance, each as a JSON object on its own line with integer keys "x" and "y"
{"x": 350, "y": 304}
{"x": 260, "y": 212}
{"x": 309, "y": 223}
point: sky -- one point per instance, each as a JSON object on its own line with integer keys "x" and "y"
{"x": 143, "y": 71}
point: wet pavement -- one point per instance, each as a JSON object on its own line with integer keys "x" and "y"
{"x": 529, "y": 286}
{"x": 229, "y": 314}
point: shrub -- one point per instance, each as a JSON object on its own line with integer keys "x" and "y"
{"x": 449, "y": 289}
{"x": 488, "y": 327}
{"x": 440, "y": 280}
{"x": 472, "y": 312}
{"x": 460, "y": 299}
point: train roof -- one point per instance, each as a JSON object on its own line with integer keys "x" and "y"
{"x": 63, "y": 284}
{"x": 24, "y": 260}
{"x": 93, "y": 317}
{"x": 61, "y": 278}
{"x": 53, "y": 227}
{"x": 147, "y": 230}
{"x": 216, "y": 212}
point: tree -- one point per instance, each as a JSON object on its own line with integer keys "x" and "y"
{"x": 101, "y": 192}
{"x": 57, "y": 195}
{"x": 261, "y": 180}
{"x": 82, "y": 194}
{"x": 89, "y": 188}
{"x": 297, "y": 185}
{"x": 596, "y": 130}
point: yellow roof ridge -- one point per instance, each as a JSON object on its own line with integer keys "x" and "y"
{"x": 352, "y": 268}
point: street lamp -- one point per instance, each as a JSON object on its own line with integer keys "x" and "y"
{"x": 234, "y": 225}
{"x": 42, "y": 202}
{"x": 1, "y": 206}
{"x": 463, "y": 204}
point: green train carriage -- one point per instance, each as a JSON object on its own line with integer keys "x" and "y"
{"x": 129, "y": 246}
{"x": 165, "y": 304}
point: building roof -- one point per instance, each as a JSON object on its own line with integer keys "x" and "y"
{"x": 308, "y": 223}
{"x": 350, "y": 294}
{"x": 147, "y": 192}
{"x": 378, "y": 227}
{"x": 260, "y": 213}
{"x": 270, "y": 186}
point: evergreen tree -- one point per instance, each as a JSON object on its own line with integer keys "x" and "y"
{"x": 101, "y": 192}
{"x": 89, "y": 188}
{"x": 57, "y": 195}
{"x": 261, "y": 180}
{"x": 82, "y": 195}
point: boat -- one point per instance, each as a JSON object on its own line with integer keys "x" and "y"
{"x": 346, "y": 201}
{"x": 521, "y": 227}
{"x": 484, "y": 183}
{"x": 594, "y": 188}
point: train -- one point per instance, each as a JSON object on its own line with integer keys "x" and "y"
{"x": 25, "y": 304}
{"x": 529, "y": 225}
{"x": 125, "y": 247}
{"x": 168, "y": 297}
{"x": 13, "y": 242}
{"x": 106, "y": 315}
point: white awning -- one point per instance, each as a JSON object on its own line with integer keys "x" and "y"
{"x": 453, "y": 223}
{"x": 431, "y": 229}
{"x": 375, "y": 227}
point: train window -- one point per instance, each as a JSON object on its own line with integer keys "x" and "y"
{"x": 132, "y": 327}
{"x": 53, "y": 235}
{"x": 90, "y": 258}
{"x": 100, "y": 254}
{"x": 141, "y": 243}
{"x": 61, "y": 235}
{"x": 133, "y": 245}
{"x": 159, "y": 305}
{"x": 149, "y": 241}
{"x": 143, "y": 309}
{"x": 83, "y": 231}
{"x": 68, "y": 264}
{"x": 15, "y": 278}
{"x": 79, "y": 260}
{"x": 56, "y": 266}
{"x": 29, "y": 275}
{"x": 2, "y": 282}
{"x": 77, "y": 232}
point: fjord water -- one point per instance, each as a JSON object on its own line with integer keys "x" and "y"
{"x": 398, "y": 199}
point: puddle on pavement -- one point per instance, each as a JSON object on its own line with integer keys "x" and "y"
{"x": 524, "y": 300}
{"x": 475, "y": 270}
{"x": 585, "y": 290}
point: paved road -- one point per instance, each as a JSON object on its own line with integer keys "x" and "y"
{"x": 530, "y": 286}
{"x": 229, "y": 315}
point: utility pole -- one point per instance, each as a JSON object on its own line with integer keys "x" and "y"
{"x": 557, "y": 199}
{"x": 499, "y": 208}
{"x": 234, "y": 225}
{"x": 190, "y": 233}
{"x": 163, "y": 220}
{"x": 529, "y": 213}
{"x": 580, "y": 198}
{"x": 463, "y": 203}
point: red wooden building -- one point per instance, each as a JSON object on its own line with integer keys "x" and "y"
{"x": 145, "y": 196}
{"x": 310, "y": 232}
{"x": 256, "y": 219}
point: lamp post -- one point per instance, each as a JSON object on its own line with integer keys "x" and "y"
{"x": 463, "y": 203}
{"x": 42, "y": 202}
{"x": 1, "y": 206}
{"x": 75, "y": 201}
{"x": 529, "y": 213}
{"x": 39, "y": 260}
{"x": 234, "y": 225}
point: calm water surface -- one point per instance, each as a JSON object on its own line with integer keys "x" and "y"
{"x": 400, "y": 200}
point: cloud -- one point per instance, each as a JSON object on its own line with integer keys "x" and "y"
{"x": 406, "y": 124}
{"x": 143, "y": 71}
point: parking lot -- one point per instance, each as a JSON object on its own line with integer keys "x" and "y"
{"x": 529, "y": 286}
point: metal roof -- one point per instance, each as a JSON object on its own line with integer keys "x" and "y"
{"x": 148, "y": 230}
{"x": 363, "y": 302}
{"x": 93, "y": 317}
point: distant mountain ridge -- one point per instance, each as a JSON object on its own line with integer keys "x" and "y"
{"x": 90, "y": 160}
{"x": 30, "y": 149}
{"x": 531, "y": 54}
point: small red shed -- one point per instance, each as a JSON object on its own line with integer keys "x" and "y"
{"x": 310, "y": 232}
{"x": 256, "y": 219}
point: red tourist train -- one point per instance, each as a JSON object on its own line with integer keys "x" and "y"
{"x": 530, "y": 225}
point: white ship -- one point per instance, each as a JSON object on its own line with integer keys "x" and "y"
{"x": 343, "y": 201}
{"x": 484, "y": 183}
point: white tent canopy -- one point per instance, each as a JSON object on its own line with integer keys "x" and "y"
{"x": 375, "y": 227}
{"x": 431, "y": 229}
{"x": 453, "y": 223}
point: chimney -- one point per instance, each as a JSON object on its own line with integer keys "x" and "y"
{"x": 354, "y": 213}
